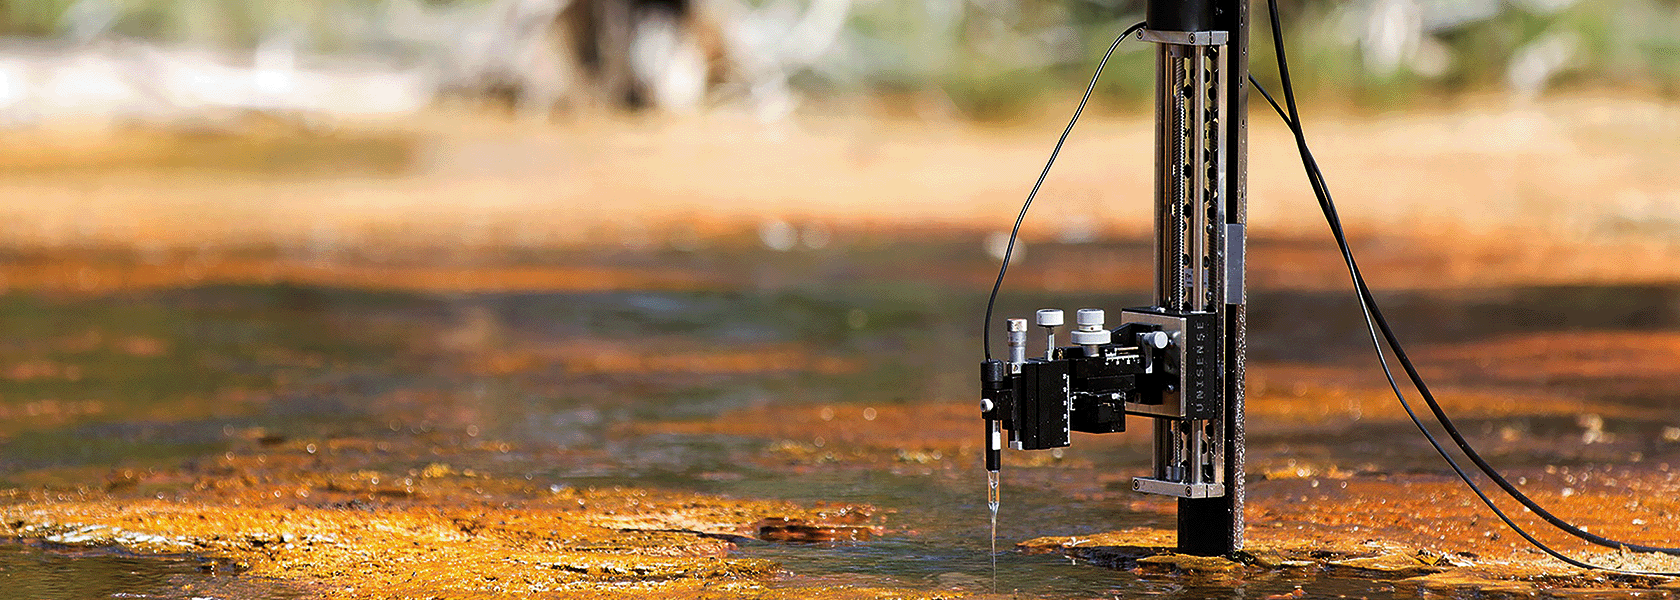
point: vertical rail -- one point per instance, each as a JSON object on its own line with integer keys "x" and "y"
{"x": 1234, "y": 18}
{"x": 1214, "y": 526}
{"x": 1196, "y": 178}
{"x": 1172, "y": 160}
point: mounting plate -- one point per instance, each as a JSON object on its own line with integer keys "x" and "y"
{"x": 1161, "y": 487}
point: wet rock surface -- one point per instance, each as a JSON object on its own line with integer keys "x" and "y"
{"x": 288, "y": 516}
{"x": 1413, "y": 571}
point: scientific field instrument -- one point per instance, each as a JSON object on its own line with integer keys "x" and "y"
{"x": 1177, "y": 364}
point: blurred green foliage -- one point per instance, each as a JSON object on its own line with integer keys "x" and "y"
{"x": 997, "y": 65}
{"x": 217, "y": 23}
{"x": 995, "y": 59}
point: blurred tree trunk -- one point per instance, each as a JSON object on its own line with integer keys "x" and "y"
{"x": 640, "y": 53}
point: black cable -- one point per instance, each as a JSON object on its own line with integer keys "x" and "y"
{"x": 1375, "y": 320}
{"x": 1452, "y": 429}
{"x": 1411, "y": 371}
{"x": 1366, "y": 304}
{"x": 986, "y": 328}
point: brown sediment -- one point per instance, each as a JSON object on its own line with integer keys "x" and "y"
{"x": 781, "y": 529}
{"x": 1423, "y": 261}
{"x": 1150, "y": 553}
{"x": 1425, "y": 533}
{"x": 318, "y": 515}
{"x": 590, "y": 357}
{"x": 1291, "y": 395}
{"x": 97, "y": 275}
{"x": 1612, "y": 362}
{"x": 1436, "y": 513}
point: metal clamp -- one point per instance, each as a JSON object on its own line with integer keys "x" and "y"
{"x": 1185, "y": 38}
{"x": 1180, "y": 489}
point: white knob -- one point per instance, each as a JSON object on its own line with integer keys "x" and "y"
{"x": 1050, "y": 317}
{"x": 1153, "y": 339}
{"x": 1090, "y": 332}
{"x": 1097, "y": 337}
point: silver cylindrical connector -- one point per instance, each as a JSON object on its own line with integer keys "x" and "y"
{"x": 1017, "y": 341}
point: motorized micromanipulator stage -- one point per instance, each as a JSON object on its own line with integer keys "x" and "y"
{"x": 1179, "y": 362}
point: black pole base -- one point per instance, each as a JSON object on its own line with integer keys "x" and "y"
{"x": 1206, "y": 526}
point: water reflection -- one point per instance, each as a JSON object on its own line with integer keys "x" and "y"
{"x": 33, "y": 573}
{"x": 737, "y": 388}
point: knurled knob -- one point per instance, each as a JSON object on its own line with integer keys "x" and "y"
{"x": 1090, "y": 331}
{"x": 1050, "y": 317}
{"x": 1091, "y": 338}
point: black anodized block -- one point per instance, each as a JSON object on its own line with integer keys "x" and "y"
{"x": 1201, "y": 362}
{"x": 1042, "y": 409}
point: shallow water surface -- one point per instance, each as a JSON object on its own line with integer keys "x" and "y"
{"x": 659, "y": 389}
{"x": 29, "y": 572}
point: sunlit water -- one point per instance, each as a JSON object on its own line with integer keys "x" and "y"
{"x": 36, "y": 573}
{"x": 937, "y": 534}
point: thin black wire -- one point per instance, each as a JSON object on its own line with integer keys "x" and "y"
{"x": 986, "y": 327}
{"x": 1417, "y": 379}
{"x": 1365, "y": 304}
{"x": 1374, "y": 320}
